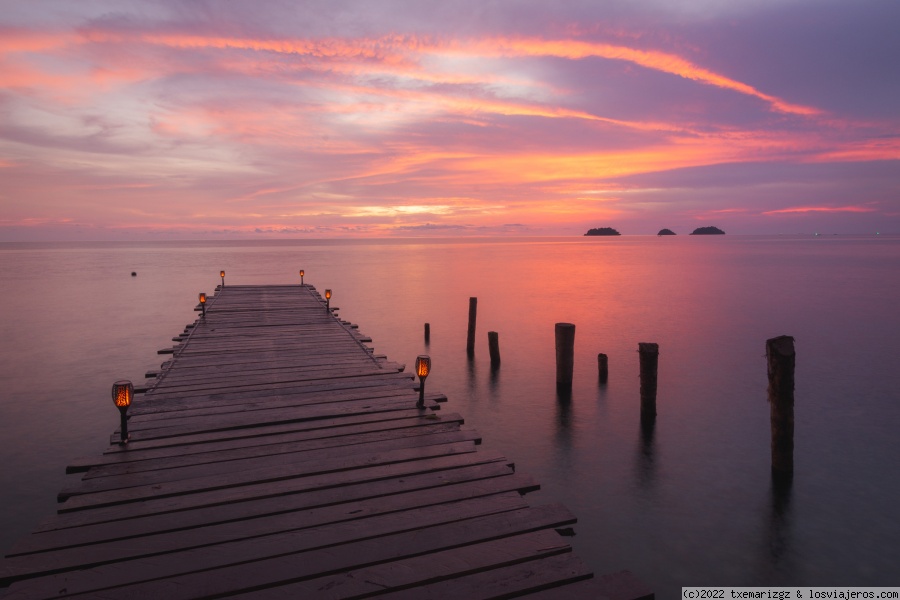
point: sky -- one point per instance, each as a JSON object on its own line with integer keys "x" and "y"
{"x": 165, "y": 119}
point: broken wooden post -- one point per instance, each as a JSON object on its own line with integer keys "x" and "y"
{"x": 780, "y": 360}
{"x": 494, "y": 348}
{"x": 603, "y": 367}
{"x": 470, "y": 339}
{"x": 649, "y": 357}
{"x": 427, "y": 332}
{"x": 565, "y": 354}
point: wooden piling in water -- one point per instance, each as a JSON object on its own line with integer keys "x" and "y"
{"x": 780, "y": 359}
{"x": 649, "y": 358}
{"x": 565, "y": 354}
{"x": 470, "y": 338}
{"x": 603, "y": 367}
{"x": 494, "y": 348}
{"x": 427, "y": 332}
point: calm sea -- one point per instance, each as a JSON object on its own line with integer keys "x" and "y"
{"x": 690, "y": 505}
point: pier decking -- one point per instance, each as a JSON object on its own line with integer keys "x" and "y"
{"x": 275, "y": 455}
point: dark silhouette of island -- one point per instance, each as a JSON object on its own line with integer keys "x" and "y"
{"x": 708, "y": 231}
{"x": 602, "y": 231}
{"x": 666, "y": 232}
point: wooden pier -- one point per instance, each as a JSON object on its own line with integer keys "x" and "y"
{"x": 274, "y": 455}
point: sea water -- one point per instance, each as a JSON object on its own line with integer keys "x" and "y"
{"x": 689, "y": 503}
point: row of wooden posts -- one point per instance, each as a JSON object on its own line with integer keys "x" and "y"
{"x": 780, "y": 359}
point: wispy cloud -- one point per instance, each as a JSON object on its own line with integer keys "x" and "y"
{"x": 650, "y": 59}
{"x": 821, "y": 209}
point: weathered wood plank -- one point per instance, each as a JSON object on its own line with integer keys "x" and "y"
{"x": 286, "y": 379}
{"x": 146, "y": 415}
{"x": 505, "y": 582}
{"x": 468, "y": 481}
{"x": 324, "y": 520}
{"x": 245, "y": 493}
{"x": 305, "y": 430}
{"x": 173, "y": 406}
{"x": 622, "y": 585}
{"x": 234, "y": 369}
{"x": 424, "y": 570}
{"x": 269, "y": 474}
{"x": 274, "y": 448}
{"x": 208, "y": 374}
{"x": 185, "y": 398}
{"x": 296, "y": 459}
{"x": 282, "y": 558}
{"x": 158, "y": 417}
{"x": 265, "y": 429}
{"x": 272, "y": 417}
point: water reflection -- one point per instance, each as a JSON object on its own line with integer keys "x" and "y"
{"x": 779, "y": 524}
{"x": 563, "y": 436}
{"x": 646, "y": 459}
{"x": 471, "y": 377}
{"x": 494, "y": 381}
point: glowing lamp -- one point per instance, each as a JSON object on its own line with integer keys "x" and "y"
{"x": 328, "y": 300}
{"x": 122, "y": 395}
{"x": 423, "y": 368}
{"x": 222, "y": 275}
{"x": 302, "y": 273}
{"x": 202, "y": 297}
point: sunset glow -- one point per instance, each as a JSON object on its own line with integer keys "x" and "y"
{"x": 170, "y": 120}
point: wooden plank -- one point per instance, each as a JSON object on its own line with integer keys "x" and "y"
{"x": 290, "y": 336}
{"x": 273, "y": 448}
{"x": 285, "y": 380}
{"x": 234, "y": 368}
{"x": 173, "y": 400}
{"x": 305, "y": 431}
{"x": 622, "y": 585}
{"x": 257, "y": 539}
{"x": 245, "y": 493}
{"x": 425, "y": 570}
{"x": 268, "y": 474}
{"x": 282, "y": 558}
{"x": 258, "y": 368}
{"x": 323, "y": 519}
{"x": 506, "y": 582}
{"x": 246, "y": 402}
{"x": 295, "y": 459}
{"x": 149, "y": 419}
{"x": 272, "y": 417}
{"x": 348, "y": 390}
{"x": 265, "y": 429}
{"x": 468, "y": 481}
{"x": 249, "y": 350}
{"x": 281, "y": 412}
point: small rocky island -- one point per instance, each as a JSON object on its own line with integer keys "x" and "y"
{"x": 602, "y": 231}
{"x": 666, "y": 232}
{"x": 708, "y": 231}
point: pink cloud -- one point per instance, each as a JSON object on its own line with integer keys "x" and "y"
{"x": 169, "y": 123}
{"x": 403, "y": 51}
{"x": 821, "y": 209}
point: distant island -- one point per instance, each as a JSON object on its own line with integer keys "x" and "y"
{"x": 666, "y": 232}
{"x": 602, "y": 231}
{"x": 708, "y": 231}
